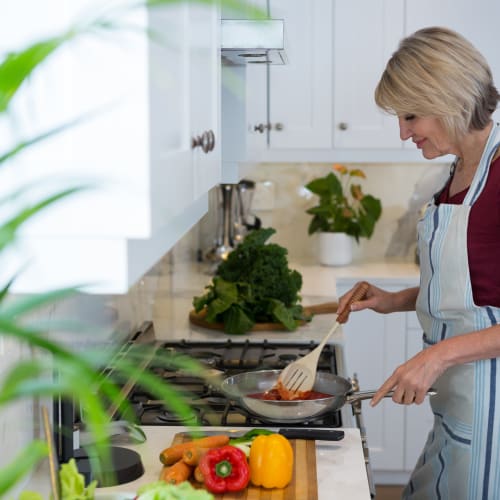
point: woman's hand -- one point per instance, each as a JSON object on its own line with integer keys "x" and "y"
{"x": 375, "y": 298}
{"x": 411, "y": 380}
{"x": 380, "y": 301}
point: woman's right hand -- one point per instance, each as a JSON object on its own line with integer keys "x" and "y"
{"x": 375, "y": 298}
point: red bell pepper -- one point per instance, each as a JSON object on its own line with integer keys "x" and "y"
{"x": 225, "y": 469}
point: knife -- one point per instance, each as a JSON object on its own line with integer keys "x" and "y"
{"x": 289, "y": 433}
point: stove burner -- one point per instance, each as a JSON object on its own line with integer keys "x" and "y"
{"x": 172, "y": 418}
{"x": 288, "y": 357}
{"x": 207, "y": 358}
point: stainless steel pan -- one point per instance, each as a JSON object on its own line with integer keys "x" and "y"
{"x": 238, "y": 387}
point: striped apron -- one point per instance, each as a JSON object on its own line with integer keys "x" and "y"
{"x": 461, "y": 457}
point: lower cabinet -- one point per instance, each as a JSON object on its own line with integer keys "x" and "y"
{"x": 375, "y": 345}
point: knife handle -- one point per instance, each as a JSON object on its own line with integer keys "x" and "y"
{"x": 318, "y": 434}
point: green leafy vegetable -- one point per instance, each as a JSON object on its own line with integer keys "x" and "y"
{"x": 73, "y": 483}
{"x": 164, "y": 491}
{"x": 254, "y": 285}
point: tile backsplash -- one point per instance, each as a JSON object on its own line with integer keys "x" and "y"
{"x": 402, "y": 189}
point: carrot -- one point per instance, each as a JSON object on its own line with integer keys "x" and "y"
{"x": 193, "y": 454}
{"x": 173, "y": 453}
{"x": 198, "y": 475}
{"x": 177, "y": 473}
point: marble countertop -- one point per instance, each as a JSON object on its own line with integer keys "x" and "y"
{"x": 340, "y": 466}
{"x": 169, "y": 298}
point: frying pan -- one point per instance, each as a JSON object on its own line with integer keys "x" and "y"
{"x": 238, "y": 387}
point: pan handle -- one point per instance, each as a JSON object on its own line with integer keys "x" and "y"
{"x": 361, "y": 395}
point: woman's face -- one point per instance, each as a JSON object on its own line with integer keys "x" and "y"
{"x": 428, "y": 133}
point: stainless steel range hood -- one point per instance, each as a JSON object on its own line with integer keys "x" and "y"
{"x": 245, "y": 41}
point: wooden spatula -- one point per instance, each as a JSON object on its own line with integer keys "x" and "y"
{"x": 301, "y": 374}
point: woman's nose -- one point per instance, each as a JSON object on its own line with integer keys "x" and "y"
{"x": 404, "y": 129}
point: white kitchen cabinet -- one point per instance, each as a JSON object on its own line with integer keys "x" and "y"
{"x": 289, "y": 106}
{"x": 155, "y": 108}
{"x": 361, "y": 36}
{"x": 375, "y": 345}
{"x": 363, "y": 45}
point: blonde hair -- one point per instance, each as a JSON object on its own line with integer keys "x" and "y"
{"x": 437, "y": 72}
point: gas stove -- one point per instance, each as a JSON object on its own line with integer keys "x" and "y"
{"x": 210, "y": 405}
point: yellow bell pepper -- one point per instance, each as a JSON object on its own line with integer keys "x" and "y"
{"x": 271, "y": 461}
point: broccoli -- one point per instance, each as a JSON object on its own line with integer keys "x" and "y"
{"x": 254, "y": 285}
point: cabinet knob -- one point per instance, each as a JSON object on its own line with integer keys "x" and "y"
{"x": 343, "y": 126}
{"x": 261, "y": 127}
{"x": 206, "y": 141}
{"x": 279, "y": 127}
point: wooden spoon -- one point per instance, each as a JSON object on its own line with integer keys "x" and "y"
{"x": 301, "y": 374}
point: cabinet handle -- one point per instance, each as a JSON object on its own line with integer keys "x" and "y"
{"x": 211, "y": 140}
{"x": 343, "y": 126}
{"x": 279, "y": 127}
{"x": 261, "y": 127}
{"x": 206, "y": 141}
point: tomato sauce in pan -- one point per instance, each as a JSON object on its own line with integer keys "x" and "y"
{"x": 274, "y": 395}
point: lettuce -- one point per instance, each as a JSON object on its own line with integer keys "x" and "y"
{"x": 163, "y": 491}
{"x": 73, "y": 483}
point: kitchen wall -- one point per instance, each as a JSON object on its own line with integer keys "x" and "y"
{"x": 401, "y": 188}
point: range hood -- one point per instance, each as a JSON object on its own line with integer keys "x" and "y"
{"x": 245, "y": 41}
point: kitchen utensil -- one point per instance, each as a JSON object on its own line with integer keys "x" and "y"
{"x": 224, "y": 245}
{"x": 300, "y": 375}
{"x": 198, "y": 318}
{"x": 288, "y": 432}
{"x": 240, "y": 387}
{"x": 53, "y": 462}
{"x": 304, "y": 484}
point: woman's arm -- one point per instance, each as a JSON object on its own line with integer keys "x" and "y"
{"x": 382, "y": 301}
{"x": 411, "y": 380}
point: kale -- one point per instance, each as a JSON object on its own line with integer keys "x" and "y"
{"x": 254, "y": 285}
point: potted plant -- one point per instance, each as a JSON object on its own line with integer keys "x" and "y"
{"x": 344, "y": 212}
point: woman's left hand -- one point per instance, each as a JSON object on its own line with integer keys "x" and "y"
{"x": 411, "y": 380}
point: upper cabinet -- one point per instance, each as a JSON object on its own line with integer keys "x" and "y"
{"x": 363, "y": 44}
{"x": 320, "y": 107}
{"x": 148, "y": 142}
{"x": 288, "y": 106}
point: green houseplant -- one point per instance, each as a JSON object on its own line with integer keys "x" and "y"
{"x": 79, "y": 373}
{"x": 343, "y": 209}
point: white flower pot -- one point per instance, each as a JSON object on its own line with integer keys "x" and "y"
{"x": 335, "y": 249}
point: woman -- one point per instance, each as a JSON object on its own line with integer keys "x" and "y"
{"x": 442, "y": 92}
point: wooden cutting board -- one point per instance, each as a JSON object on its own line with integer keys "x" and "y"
{"x": 304, "y": 484}
{"x": 198, "y": 319}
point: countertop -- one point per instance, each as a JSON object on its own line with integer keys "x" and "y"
{"x": 340, "y": 466}
{"x": 170, "y": 298}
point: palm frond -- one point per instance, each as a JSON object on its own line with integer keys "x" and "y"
{"x": 21, "y": 465}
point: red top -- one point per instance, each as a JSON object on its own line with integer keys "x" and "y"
{"x": 483, "y": 238}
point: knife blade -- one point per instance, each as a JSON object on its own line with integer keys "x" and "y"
{"x": 288, "y": 432}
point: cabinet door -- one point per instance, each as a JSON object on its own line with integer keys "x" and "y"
{"x": 366, "y": 33}
{"x": 300, "y": 92}
{"x": 375, "y": 346}
{"x": 477, "y": 21}
{"x": 185, "y": 102}
{"x": 299, "y": 104}
{"x": 205, "y": 79}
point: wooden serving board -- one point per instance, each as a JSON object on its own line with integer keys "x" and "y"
{"x": 198, "y": 318}
{"x": 304, "y": 484}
